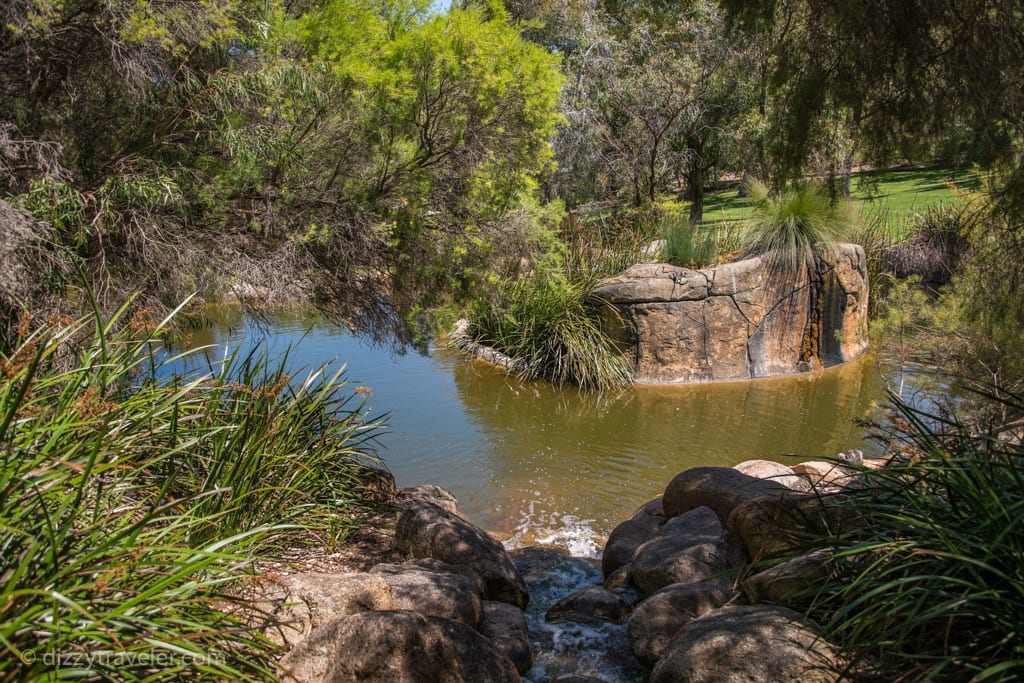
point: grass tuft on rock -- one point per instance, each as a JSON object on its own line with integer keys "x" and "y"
{"x": 791, "y": 228}
{"x": 549, "y": 326}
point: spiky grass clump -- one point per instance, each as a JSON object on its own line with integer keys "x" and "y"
{"x": 132, "y": 502}
{"x": 684, "y": 244}
{"x": 935, "y": 246}
{"x": 931, "y": 585}
{"x": 547, "y": 325}
{"x": 792, "y": 228}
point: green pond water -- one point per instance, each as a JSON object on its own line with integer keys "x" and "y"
{"x": 536, "y": 463}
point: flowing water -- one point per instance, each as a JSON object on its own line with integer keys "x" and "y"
{"x": 542, "y": 465}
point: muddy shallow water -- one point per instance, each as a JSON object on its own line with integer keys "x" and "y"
{"x": 536, "y": 463}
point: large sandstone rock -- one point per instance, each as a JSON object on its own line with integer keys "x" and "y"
{"x": 735, "y": 321}
{"x": 688, "y": 548}
{"x": 395, "y": 647}
{"x": 719, "y": 488}
{"x": 657, "y": 619}
{"x": 433, "y": 593}
{"x": 426, "y": 530}
{"x": 505, "y": 626}
{"x": 747, "y": 645}
{"x": 641, "y": 527}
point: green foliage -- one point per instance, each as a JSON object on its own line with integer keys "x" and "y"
{"x": 133, "y": 502}
{"x": 686, "y": 244}
{"x": 928, "y": 585}
{"x": 912, "y": 91}
{"x": 600, "y": 245}
{"x": 972, "y": 314}
{"x": 791, "y": 228}
{"x": 409, "y": 143}
{"x": 548, "y": 326}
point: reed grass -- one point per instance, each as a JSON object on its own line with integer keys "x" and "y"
{"x": 931, "y": 586}
{"x": 554, "y": 331}
{"x": 133, "y": 501}
{"x": 685, "y": 244}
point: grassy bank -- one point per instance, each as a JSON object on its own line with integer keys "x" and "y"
{"x": 894, "y": 194}
{"x": 133, "y": 502}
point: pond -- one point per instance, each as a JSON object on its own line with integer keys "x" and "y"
{"x": 535, "y": 463}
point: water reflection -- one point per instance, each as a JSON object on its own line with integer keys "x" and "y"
{"x": 556, "y": 453}
{"x": 540, "y": 463}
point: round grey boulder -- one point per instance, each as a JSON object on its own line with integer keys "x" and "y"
{"x": 426, "y": 530}
{"x": 656, "y": 621}
{"x": 747, "y": 644}
{"x": 720, "y": 488}
{"x": 688, "y": 548}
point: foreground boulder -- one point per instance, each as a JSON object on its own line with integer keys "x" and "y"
{"x": 688, "y": 548}
{"x": 396, "y": 647}
{"x": 428, "y": 493}
{"x": 719, "y": 488}
{"x": 773, "y": 471}
{"x": 747, "y": 644}
{"x": 659, "y": 618}
{"x": 783, "y": 581}
{"x": 775, "y": 525}
{"x": 641, "y": 527}
{"x": 505, "y": 626}
{"x": 433, "y": 593}
{"x": 589, "y": 605}
{"x": 425, "y": 530}
{"x": 302, "y": 602}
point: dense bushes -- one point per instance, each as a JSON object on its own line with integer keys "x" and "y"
{"x": 133, "y": 501}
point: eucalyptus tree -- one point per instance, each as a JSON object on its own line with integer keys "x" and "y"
{"x": 916, "y": 77}
{"x": 650, "y": 97}
{"x": 377, "y": 152}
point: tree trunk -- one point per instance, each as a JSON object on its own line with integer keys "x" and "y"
{"x": 848, "y": 160}
{"x": 695, "y": 180}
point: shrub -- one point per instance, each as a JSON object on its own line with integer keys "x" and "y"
{"x": 133, "y": 501}
{"x": 547, "y": 324}
{"x": 937, "y": 243}
{"x": 931, "y": 585}
{"x": 683, "y": 244}
{"x": 790, "y": 229}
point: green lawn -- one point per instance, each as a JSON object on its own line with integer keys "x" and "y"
{"x": 896, "y": 193}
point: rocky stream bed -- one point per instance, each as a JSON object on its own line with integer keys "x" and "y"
{"x": 679, "y": 594}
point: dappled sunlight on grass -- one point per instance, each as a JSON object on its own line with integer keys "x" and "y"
{"x": 895, "y": 193}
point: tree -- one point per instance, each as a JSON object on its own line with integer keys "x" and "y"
{"x": 380, "y": 156}
{"x": 648, "y": 98}
{"x": 916, "y": 76}
{"x": 432, "y": 134}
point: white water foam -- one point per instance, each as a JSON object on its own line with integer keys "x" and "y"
{"x": 555, "y": 529}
